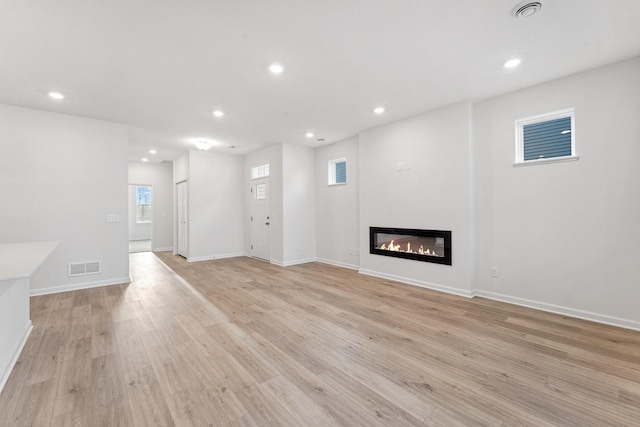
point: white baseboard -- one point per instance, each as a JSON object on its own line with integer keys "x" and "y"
{"x": 162, "y": 249}
{"x": 338, "y": 263}
{"x": 428, "y": 285}
{"x": 16, "y": 354}
{"x": 294, "y": 262}
{"x": 78, "y": 286}
{"x": 538, "y": 305}
{"x": 558, "y": 309}
{"x": 210, "y": 257}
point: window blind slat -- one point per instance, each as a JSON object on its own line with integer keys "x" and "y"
{"x": 546, "y": 140}
{"x": 341, "y": 172}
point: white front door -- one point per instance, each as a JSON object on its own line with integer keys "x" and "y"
{"x": 260, "y": 235}
{"x": 182, "y": 243}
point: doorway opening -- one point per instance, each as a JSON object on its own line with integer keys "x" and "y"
{"x": 140, "y": 218}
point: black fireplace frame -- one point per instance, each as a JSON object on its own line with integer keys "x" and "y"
{"x": 446, "y": 259}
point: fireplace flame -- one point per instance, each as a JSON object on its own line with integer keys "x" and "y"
{"x": 396, "y": 248}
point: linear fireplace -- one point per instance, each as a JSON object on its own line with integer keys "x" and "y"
{"x": 410, "y": 243}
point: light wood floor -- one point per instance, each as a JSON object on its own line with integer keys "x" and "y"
{"x": 248, "y": 343}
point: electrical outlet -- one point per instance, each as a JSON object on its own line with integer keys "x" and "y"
{"x": 407, "y": 166}
{"x": 494, "y": 271}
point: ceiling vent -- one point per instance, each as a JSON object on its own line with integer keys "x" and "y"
{"x": 526, "y": 9}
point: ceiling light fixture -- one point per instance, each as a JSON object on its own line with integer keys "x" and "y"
{"x": 309, "y": 135}
{"x": 512, "y": 63}
{"x": 276, "y": 68}
{"x": 56, "y": 95}
{"x": 218, "y": 113}
{"x": 526, "y": 9}
{"x": 379, "y": 110}
{"x": 203, "y": 145}
{"x": 144, "y": 159}
{"x": 153, "y": 151}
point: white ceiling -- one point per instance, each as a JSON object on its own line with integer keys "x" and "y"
{"x": 163, "y": 66}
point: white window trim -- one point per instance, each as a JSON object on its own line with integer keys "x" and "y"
{"x": 520, "y": 123}
{"x": 332, "y": 172}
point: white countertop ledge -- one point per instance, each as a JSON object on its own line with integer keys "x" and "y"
{"x": 21, "y": 260}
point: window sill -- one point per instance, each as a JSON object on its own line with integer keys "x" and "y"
{"x": 339, "y": 183}
{"x": 143, "y": 222}
{"x": 545, "y": 161}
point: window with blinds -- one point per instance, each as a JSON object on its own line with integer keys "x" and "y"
{"x": 338, "y": 171}
{"x": 545, "y": 138}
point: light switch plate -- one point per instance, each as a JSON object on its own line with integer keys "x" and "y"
{"x": 113, "y": 218}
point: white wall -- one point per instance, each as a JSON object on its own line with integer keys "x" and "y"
{"x": 137, "y": 231}
{"x": 337, "y": 207}
{"x": 298, "y": 202}
{"x": 273, "y": 156}
{"x": 216, "y": 209}
{"x": 564, "y": 236}
{"x": 60, "y": 177}
{"x": 160, "y": 177}
{"x": 434, "y": 194}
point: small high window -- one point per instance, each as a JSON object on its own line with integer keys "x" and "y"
{"x": 546, "y": 138}
{"x": 261, "y": 171}
{"x": 338, "y": 171}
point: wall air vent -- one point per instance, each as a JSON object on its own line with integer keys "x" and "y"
{"x": 84, "y": 268}
{"x": 526, "y": 9}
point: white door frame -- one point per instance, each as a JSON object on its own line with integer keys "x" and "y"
{"x": 186, "y": 220}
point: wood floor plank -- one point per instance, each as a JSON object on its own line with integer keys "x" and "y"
{"x": 239, "y": 342}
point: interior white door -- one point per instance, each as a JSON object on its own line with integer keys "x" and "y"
{"x": 183, "y": 226}
{"x": 260, "y": 221}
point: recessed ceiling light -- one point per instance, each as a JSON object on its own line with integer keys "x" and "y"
{"x": 379, "y": 110}
{"x": 512, "y": 63}
{"x": 203, "y": 145}
{"x": 144, "y": 159}
{"x": 218, "y": 113}
{"x": 56, "y": 95}
{"x": 276, "y": 68}
{"x": 153, "y": 151}
{"x": 309, "y": 135}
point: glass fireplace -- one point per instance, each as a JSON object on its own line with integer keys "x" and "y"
{"x": 410, "y": 243}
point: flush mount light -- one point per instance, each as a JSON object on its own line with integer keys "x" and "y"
{"x": 203, "y": 145}
{"x": 56, "y": 95}
{"x": 276, "y": 68}
{"x": 512, "y": 63}
{"x": 379, "y": 110}
{"x": 218, "y": 113}
{"x": 144, "y": 159}
{"x": 153, "y": 151}
{"x": 309, "y": 135}
{"x": 526, "y": 9}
